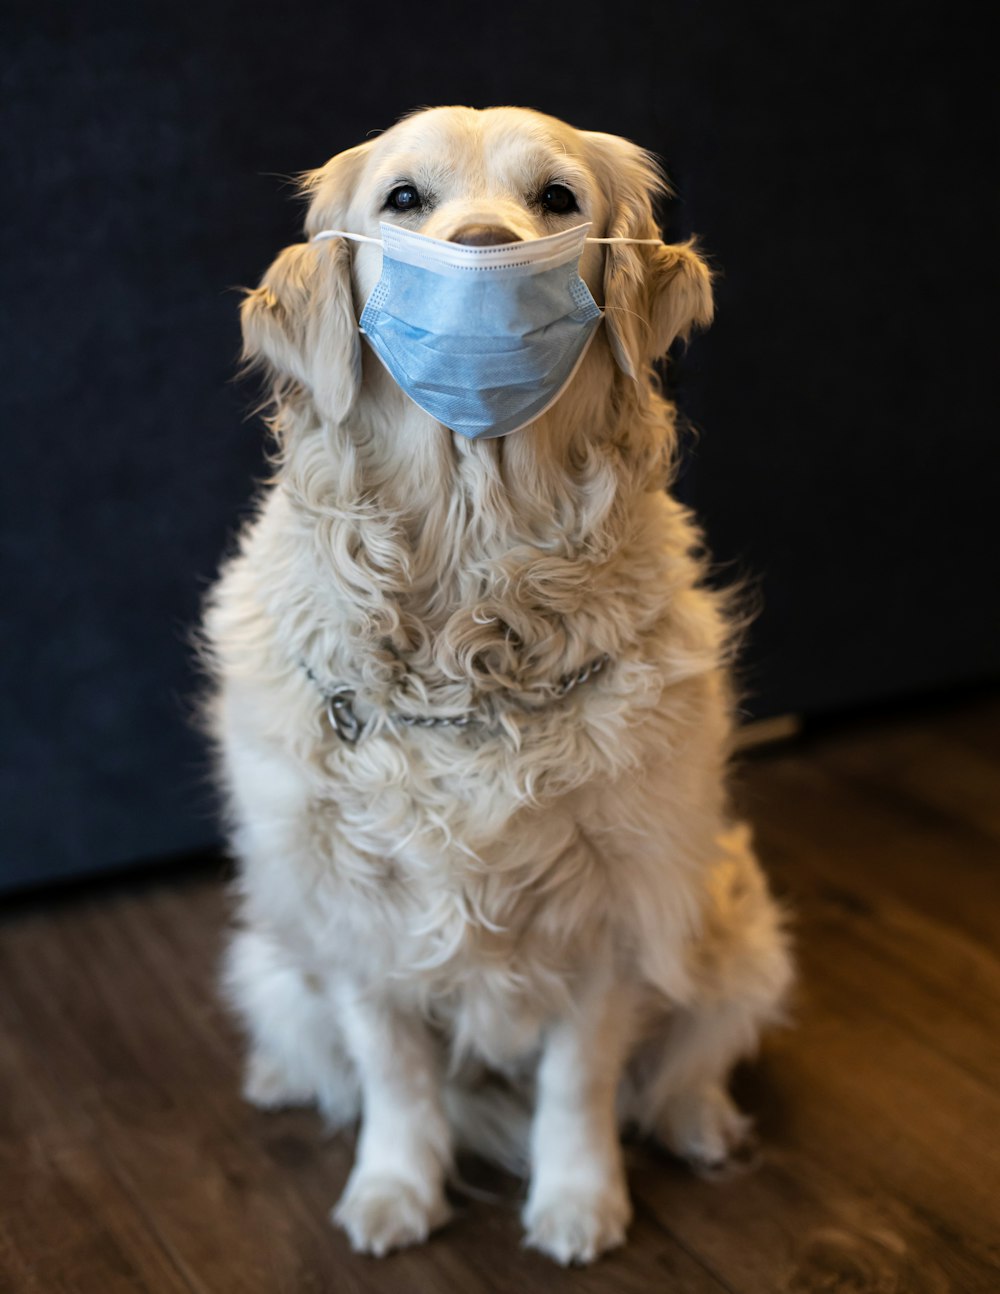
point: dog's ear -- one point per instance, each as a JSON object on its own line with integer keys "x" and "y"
{"x": 651, "y": 294}
{"x": 330, "y": 188}
{"x": 679, "y": 295}
{"x": 299, "y": 323}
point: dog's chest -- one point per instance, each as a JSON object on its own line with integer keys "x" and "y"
{"x": 484, "y": 985}
{"x": 490, "y": 988}
{"x": 490, "y": 945}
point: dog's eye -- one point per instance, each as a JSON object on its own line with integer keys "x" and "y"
{"x": 558, "y": 199}
{"x": 404, "y": 198}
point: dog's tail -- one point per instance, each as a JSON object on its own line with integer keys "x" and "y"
{"x": 492, "y": 1119}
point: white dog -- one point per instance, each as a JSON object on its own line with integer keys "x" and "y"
{"x": 473, "y": 716}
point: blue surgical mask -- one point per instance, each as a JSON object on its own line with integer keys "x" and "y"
{"x": 484, "y": 339}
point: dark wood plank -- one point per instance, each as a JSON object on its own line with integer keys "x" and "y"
{"x": 877, "y": 844}
{"x": 67, "y": 1221}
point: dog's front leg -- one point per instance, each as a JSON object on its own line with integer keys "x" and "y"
{"x": 578, "y": 1202}
{"x": 395, "y": 1194}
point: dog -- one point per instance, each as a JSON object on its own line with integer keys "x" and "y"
{"x": 472, "y": 706}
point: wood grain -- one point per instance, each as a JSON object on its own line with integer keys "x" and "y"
{"x": 129, "y": 1163}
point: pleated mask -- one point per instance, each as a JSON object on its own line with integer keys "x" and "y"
{"x": 484, "y": 339}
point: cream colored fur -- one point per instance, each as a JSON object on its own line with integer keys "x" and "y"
{"x": 557, "y": 893}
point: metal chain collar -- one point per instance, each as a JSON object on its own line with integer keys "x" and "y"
{"x": 349, "y": 728}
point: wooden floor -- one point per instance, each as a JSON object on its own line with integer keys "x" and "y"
{"x": 128, "y": 1163}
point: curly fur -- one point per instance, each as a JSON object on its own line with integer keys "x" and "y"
{"x": 557, "y": 891}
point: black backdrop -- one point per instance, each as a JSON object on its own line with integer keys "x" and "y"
{"x": 837, "y": 161}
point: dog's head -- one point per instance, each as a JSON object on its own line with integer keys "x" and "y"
{"x": 477, "y": 177}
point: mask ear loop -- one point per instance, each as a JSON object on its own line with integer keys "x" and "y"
{"x": 648, "y": 242}
{"x": 324, "y": 234}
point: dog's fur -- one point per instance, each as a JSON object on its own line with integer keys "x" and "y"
{"x": 557, "y": 893}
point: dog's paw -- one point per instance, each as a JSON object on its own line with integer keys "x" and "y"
{"x": 575, "y": 1226}
{"x": 383, "y": 1213}
{"x": 705, "y": 1128}
{"x": 268, "y": 1086}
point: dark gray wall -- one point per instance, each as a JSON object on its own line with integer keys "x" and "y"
{"x": 836, "y": 163}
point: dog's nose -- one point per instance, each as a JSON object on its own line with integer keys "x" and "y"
{"x": 485, "y": 236}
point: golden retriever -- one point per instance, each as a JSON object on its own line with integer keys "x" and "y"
{"x": 472, "y": 709}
